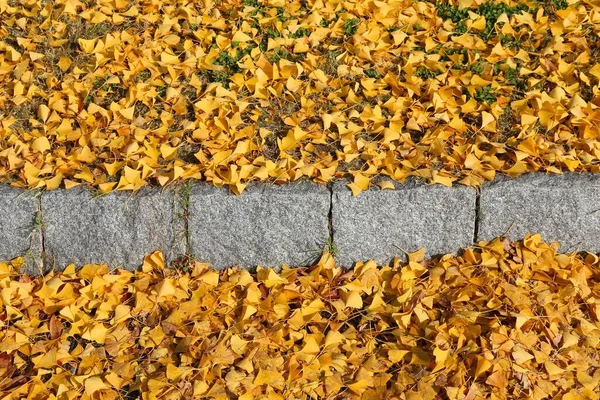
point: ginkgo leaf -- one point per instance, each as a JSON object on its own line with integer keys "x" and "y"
{"x": 41, "y": 144}
{"x": 386, "y": 185}
{"x": 154, "y": 326}
{"x": 94, "y": 384}
{"x": 127, "y": 112}
{"x": 359, "y": 387}
{"x": 64, "y": 63}
{"x": 169, "y": 58}
{"x": 233, "y": 93}
{"x": 354, "y": 300}
{"x": 268, "y": 377}
{"x": 521, "y": 356}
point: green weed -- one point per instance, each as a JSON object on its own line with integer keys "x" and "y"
{"x": 351, "y": 26}
{"x": 423, "y": 73}
{"x": 485, "y": 95}
{"x": 331, "y": 247}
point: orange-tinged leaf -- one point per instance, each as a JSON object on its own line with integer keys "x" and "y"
{"x": 497, "y": 379}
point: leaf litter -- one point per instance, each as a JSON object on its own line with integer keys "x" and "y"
{"x": 119, "y": 94}
{"x": 501, "y": 320}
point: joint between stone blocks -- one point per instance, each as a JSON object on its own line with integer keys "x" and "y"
{"x": 477, "y": 215}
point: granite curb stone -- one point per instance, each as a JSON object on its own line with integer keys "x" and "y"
{"x": 383, "y": 224}
{"x": 271, "y": 225}
{"x": 19, "y": 234}
{"x": 117, "y": 229}
{"x": 267, "y": 225}
{"x": 562, "y": 208}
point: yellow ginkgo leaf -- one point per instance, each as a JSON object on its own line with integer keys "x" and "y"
{"x": 94, "y": 384}
{"x": 41, "y": 144}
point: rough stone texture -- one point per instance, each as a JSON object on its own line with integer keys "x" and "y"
{"x": 381, "y": 224}
{"x": 266, "y": 225}
{"x": 19, "y": 235}
{"x": 117, "y": 229}
{"x": 564, "y": 208}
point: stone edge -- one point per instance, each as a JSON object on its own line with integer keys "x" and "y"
{"x": 36, "y": 263}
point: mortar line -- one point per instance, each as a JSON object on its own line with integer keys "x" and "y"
{"x": 330, "y": 213}
{"x": 186, "y": 230}
{"x": 41, "y": 229}
{"x": 477, "y": 214}
{"x": 183, "y": 197}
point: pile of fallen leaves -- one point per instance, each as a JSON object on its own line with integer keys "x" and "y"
{"x": 502, "y": 320}
{"x": 119, "y": 94}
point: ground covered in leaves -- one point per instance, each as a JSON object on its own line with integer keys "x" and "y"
{"x": 119, "y": 93}
{"x": 502, "y": 320}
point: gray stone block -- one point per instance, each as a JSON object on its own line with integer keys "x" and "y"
{"x": 19, "y": 234}
{"x": 267, "y": 225}
{"x": 117, "y": 229}
{"x": 564, "y": 208}
{"x": 381, "y": 224}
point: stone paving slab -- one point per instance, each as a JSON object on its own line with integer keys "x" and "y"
{"x": 564, "y": 208}
{"x": 19, "y": 234}
{"x": 117, "y": 229}
{"x": 267, "y": 225}
{"x": 381, "y": 224}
